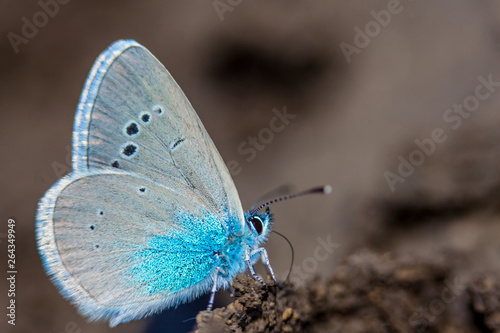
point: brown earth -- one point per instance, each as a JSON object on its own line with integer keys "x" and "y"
{"x": 380, "y": 293}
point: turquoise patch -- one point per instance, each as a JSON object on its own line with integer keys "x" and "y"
{"x": 181, "y": 258}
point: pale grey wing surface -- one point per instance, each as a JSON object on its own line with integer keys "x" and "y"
{"x": 133, "y": 116}
{"x": 120, "y": 246}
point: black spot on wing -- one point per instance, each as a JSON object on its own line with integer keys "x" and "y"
{"x": 176, "y": 143}
{"x": 145, "y": 117}
{"x": 129, "y": 150}
{"x": 132, "y": 129}
{"x": 158, "y": 110}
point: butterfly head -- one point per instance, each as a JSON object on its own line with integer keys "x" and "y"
{"x": 259, "y": 225}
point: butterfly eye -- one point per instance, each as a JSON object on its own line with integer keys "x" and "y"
{"x": 257, "y": 224}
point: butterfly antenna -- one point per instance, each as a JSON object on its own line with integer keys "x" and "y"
{"x": 327, "y": 189}
{"x": 278, "y": 191}
{"x": 293, "y": 252}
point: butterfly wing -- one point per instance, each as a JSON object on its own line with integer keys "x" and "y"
{"x": 133, "y": 116}
{"x": 134, "y": 130}
{"x": 121, "y": 246}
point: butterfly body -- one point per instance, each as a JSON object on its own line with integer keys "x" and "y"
{"x": 149, "y": 217}
{"x": 225, "y": 252}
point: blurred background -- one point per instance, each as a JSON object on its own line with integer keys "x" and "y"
{"x": 393, "y": 103}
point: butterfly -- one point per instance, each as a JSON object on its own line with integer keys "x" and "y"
{"x": 149, "y": 217}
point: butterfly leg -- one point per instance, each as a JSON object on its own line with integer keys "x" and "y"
{"x": 231, "y": 291}
{"x": 213, "y": 291}
{"x": 251, "y": 268}
{"x": 265, "y": 259}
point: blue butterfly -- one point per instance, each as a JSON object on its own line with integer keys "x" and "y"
{"x": 149, "y": 217}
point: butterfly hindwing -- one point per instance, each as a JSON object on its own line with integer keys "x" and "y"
{"x": 133, "y": 116}
{"x": 121, "y": 246}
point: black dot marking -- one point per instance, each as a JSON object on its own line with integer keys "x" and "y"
{"x": 177, "y": 142}
{"x": 142, "y": 189}
{"x": 92, "y": 227}
{"x": 158, "y": 110}
{"x": 132, "y": 129}
{"x": 96, "y": 246}
{"x": 115, "y": 164}
{"x": 129, "y": 150}
{"x": 101, "y": 213}
{"x": 145, "y": 118}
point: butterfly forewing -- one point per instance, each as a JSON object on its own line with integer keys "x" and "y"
{"x": 138, "y": 119}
